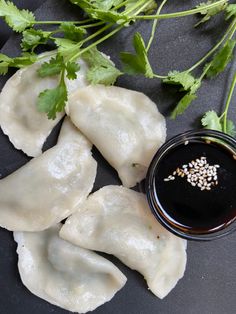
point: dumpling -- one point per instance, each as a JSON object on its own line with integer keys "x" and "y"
{"x": 47, "y": 188}
{"x": 117, "y": 221}
{"x": 26, "y": 127}
{"x": 68, "y": 276}
{"x": 124, "y": 125}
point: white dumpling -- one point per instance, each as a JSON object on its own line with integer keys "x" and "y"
{"x": 47, "y": 188}
{"x": 26, "y": 127}
{"x": 118, "y": 221}
{"x": 68, "y": 276}
{"x": 124, "y": 125}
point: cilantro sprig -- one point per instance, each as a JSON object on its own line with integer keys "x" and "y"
{"x": 75, "y": 40}
{"x": 211, "y": 120}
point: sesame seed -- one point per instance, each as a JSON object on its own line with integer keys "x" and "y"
{"x": 198, "y": 173}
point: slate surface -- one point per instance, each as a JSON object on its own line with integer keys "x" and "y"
{"x": 209, "y": 284}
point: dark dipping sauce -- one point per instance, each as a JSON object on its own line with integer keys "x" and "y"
{"x": 185, "y": 207}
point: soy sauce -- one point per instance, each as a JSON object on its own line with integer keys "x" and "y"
{"x": 187, "y": 207}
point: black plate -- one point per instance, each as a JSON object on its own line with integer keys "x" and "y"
{"x": 209, "y": 283}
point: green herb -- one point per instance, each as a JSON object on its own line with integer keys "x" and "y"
{"x": 137, "y": 63}
{"x": 221, "y": 123}
{"x": 72, "y": 32}
{"x": 53, "y": 67}
{"x": 102, "y": 70}
{"x": 184, "y": 79}
{"x": 187, "y": 83}
{"x": 17, "y": 19}
{"x": 208, "y": 13}
{"x": 18, "y": 62}
{"x": 183, "y": 104}
{"x": 221, "y": 59}
{"x": 230, "y": 11}
{"x": 32, "y": 38}
{"x": 73, "y": 41}
{"x": 53, "y": 100}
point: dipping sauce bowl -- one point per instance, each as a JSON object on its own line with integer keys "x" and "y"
{"x": 191, "y": 185}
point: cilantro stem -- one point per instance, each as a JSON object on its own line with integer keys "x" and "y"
{"x": 179, "y": 14}
{"x": 143, "y": 6}
{"x": 137, "y": 5}
{"x": 154, "y": 25}
{"x": 121, "y": 4}
{"x": 160, "y": 76}
{"x": 205, "y": 71}
{"x": 74, "y": 57}
{"x": 79, "y": 53}
{"x": 60, "y": 22}
{"x": 101, "y": 30}
{"x": 232, "y": 29}
{"x": 92, "y": 25}
{"x": 225, "y": 113}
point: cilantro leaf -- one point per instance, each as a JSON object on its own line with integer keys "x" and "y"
{"x": 185, "y": 79}
{"x": 96, "y": 4}
{"x": 56, "y": 65}
{"x": 146, "y": 10}
{"x": 67, "y": 47}
{"x": 208, "y": 13}
{"x": 53, "y": 100}
{"x": 221, "y": 58}
{"x": 183, "y": 104}
{"x": 211, "y": 121}
{"x": 17, "y": 19}
{"x": 230, "y": 11}
{"x": 137, "y": 63}
{"x": 51, "y": 68}
{"x": 109, "y": 16}
{"x": 72, "y": 32}
{"x": 18, "y": 62}
{"x": 72, "y": 68}
{"x": 4, "y": 64}
{"x": 230, "y": 128}
{"x": 32, "y": 38}
{"x": 102, "y": 70}
{"x": 106, "y": 4}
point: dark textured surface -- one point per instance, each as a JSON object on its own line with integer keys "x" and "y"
{"x": 209, "y": 283}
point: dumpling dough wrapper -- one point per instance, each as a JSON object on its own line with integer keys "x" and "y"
{"x": 26, "y": 127}
{"x": 65, "y": 275}
{"x": 124, "y": 125}
{"x": 118, "y": 221}
{"x": 47, "y": 189}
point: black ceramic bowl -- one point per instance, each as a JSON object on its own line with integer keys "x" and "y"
{"x": 193, "y": 208}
